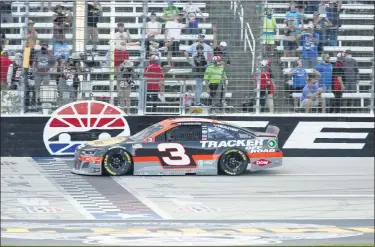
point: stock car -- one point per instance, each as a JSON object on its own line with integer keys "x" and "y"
{"x": 182, "y": 146}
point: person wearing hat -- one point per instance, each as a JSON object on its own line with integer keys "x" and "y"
{"x": 124, "y": 78}
{"x": 5, "y": 62}
{"x": 153, "y": 27}
{"x": 32, "y": 35}
{"x": 192, "y": 50}
{"x": 154, "y": 78}
{"x": 320, "y": 25}
{"x": 221, "y": 50}
{"x": 338, "y": 86}
{"x": 310, "y": 41}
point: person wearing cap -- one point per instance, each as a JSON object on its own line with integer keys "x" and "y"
{"x": 269, "y": 31}
{"x": 173, "y": 37}
{"x": 320, "y": 26}
{"x": 153, "y": 27}
{"x": 338, "y": 86}
{"x": 125, "y": 81}
{"x": 5, "y": 62}
{"x": 192, "y": 50}
{"x": 32, "y": 35}
{"x": 94, "y": 11}
{"x": 310, "y": 41}
{"x": 312, "y": 96}
{"x": 190, "y": 11}
{"x": 221, "y": 51}
{"x": 154, "y": 78}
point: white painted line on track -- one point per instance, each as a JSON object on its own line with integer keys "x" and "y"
{"x": 122, "y": 182}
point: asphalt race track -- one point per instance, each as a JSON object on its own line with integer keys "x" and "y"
{"x": 307, "y": 201}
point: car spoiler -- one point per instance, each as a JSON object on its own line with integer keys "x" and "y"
{"x": 271, "y": 129}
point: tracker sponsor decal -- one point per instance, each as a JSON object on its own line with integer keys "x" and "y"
{"x": 77, "y": 123}
{"x": 262, "y": 162}
{"x": 231, "y": 143}
{"x": 329, "y": 135}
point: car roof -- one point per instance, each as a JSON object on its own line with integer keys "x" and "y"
{"x": 188, "y": 120}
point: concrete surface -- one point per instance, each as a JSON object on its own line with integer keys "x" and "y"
{"x": 308, "y": 200}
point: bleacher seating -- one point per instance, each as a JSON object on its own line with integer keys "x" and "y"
{"x": 348, "y": 39}
{"x": 133, "y": 13}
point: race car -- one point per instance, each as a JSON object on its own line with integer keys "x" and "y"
{"x": 182, "y": 146}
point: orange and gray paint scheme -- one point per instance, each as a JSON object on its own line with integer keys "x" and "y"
{"x": 154, "y": 156}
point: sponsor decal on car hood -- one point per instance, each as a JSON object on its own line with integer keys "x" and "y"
{"x": 108, "y": 142}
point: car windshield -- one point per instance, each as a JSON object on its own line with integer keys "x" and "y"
{"x": 147, "y": 132}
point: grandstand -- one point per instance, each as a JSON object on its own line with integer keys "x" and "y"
{"x": 239, "y": 23}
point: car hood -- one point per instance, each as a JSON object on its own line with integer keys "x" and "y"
{"x": 109, "y": 142}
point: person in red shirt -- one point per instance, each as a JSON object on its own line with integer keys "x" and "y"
{"x": 267, "y": 86}
{"x": 5, "y": 62}
{"x": 154, "y": 77}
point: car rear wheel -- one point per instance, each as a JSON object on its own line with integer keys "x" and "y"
{"x": 117, "y": 162}
{"x": 233, "y": 162}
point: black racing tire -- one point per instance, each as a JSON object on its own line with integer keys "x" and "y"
{"x": 233, "y": 162}
{"x": 117, "y": 162}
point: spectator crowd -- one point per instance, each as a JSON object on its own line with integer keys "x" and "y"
{"x": 304, "y": 39}
{"x": 69, "y": 69}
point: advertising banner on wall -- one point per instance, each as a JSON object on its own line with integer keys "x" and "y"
{"x": 80, "y": 122}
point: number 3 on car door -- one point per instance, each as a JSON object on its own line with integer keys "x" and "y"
{"x": 175, "y": 151}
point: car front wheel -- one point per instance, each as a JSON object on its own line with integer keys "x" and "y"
{"x": 117, "y": 162}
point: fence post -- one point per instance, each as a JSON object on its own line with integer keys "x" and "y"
{"x": 142, "y": 85}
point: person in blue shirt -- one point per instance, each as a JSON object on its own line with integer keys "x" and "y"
{"x": 325, "y": 69}
{"x": 312, "y": 96}
{"x": 310, "y": 42}
{"x": 296, "y": 16}
{"x": 299, "y": 79}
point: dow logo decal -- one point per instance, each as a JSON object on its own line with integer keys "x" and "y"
{"x": 79, "y": 122}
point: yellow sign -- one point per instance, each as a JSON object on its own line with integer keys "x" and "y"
{"x": 111, "y": 141}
